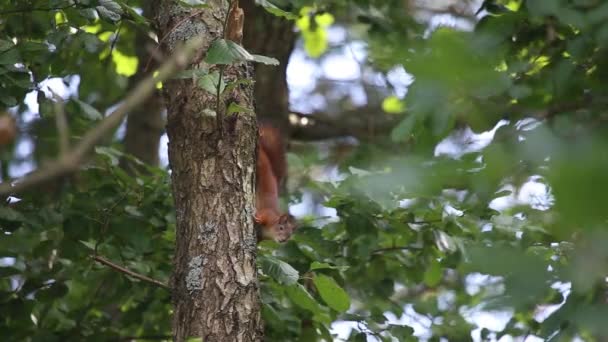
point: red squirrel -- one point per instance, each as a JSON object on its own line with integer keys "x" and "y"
{"x": 271, "y": 169}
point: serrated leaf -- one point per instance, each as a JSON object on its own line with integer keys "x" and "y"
{"x": 209, "y": 83}
{"x": 298, "y": 294}
{"x": 89, "y": 111}
{"x": 224, "y": 51}
{"x": 279, "y": 270}
{"x": 236, "y": 108}
{"x": 331, "y": 293}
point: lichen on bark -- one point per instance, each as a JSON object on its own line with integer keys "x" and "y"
{"x": 215, "y": 281}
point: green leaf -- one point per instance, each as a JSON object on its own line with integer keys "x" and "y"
{"x": 404, "y": 129}
{"x": 8, "y": 271}
{"x": 332, "y": 293}
{"x": 401, "y": 331}
{"x": 209, "y": 83}
{"x": 133, "y": 211}
{"x": 9, "y": 101}
{"x": 224, "y": 51}
{"x": 236, "y": 108}
{"x": 6, "y": 45}
{"x": 279, "y": 270}
{"x": 271, "y": 8}
{"x": 110, "y": 10}
{"x": 315, "y": 265}
{"x": 194, "y": 3}
{"x": 264, "y": 60}
{"x": 298, "y": 294}
{"x": 10, "y": 57}
{"x": 89, "y": 245}
{"x": 132, "y": 14}
{"x": 111, "y": 154}
{"x": 433, "y": 274}
{"x": 10, "y": 214}
{"x": 107, "y": 14}
{"x": 53, "y": 292}
{"x": 89, "y": 111}
{"x": 232, "y": 85}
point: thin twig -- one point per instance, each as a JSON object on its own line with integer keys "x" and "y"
{"x": 61, "y": 122}
{"x": 225, "y": 26}
{"x": 72, "y": 160}
{"x": 128, "y": 272}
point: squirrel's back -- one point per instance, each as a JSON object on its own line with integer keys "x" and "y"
{"x": 273, "y": 143}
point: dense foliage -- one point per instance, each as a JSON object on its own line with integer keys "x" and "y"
{"x": 423, "y": 242}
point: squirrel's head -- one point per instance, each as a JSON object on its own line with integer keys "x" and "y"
{"x": 282, "y": 230}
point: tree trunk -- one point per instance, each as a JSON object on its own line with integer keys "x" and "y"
{"x": 146, "y": 124}
{"x": 273, "y": 36}
{"x": 214, "y": 283}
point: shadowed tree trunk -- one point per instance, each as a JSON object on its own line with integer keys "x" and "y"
{"x": 145, "y": 125}
{"x": 214, "y": 283}
{"x": 273, "y": 36}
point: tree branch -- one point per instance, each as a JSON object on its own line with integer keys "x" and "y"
{"x": 70, "y": 162}
{"x": 353, "y": 123}
{"x": 130, "y": 273}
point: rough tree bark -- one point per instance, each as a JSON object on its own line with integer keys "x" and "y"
{"x": 215, "y": 281}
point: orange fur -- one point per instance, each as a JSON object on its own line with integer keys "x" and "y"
{"x": 271, "y": 170}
